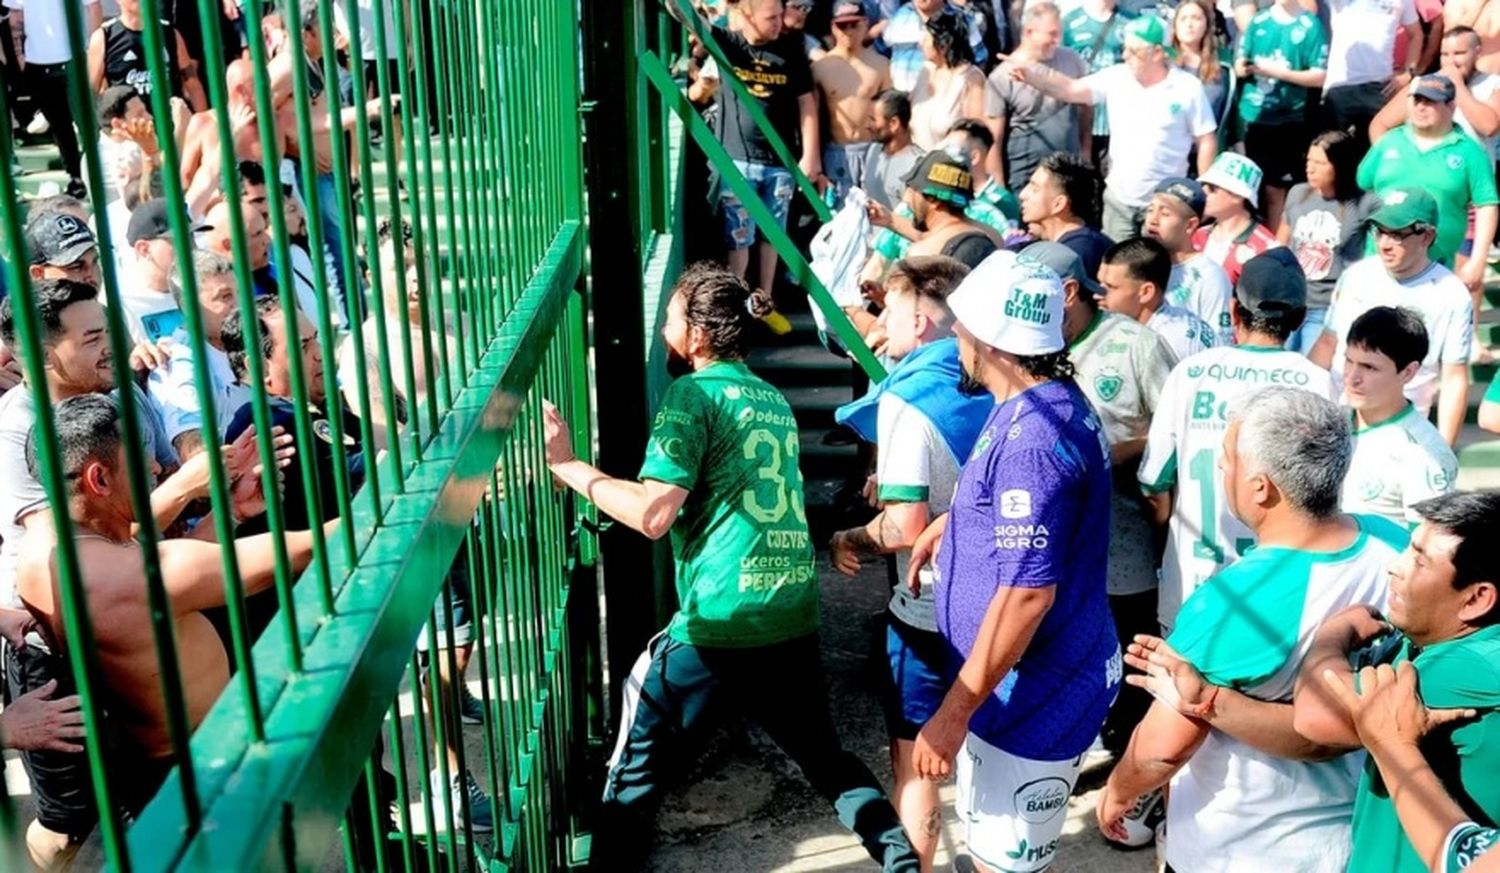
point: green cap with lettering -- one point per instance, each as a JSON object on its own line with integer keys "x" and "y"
{"x": 1401, "y": 208}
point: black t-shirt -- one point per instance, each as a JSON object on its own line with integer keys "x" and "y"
{"x": 125, "y": 57}
{"x": 1089, "y": 245}
{"x": 775, "y": 74}
{"x": 970, "y": 249}
{"x": 261, "y": 607}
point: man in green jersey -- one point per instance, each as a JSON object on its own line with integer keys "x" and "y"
{"x": 1433, "y": 153}
{"x": 1443, "y": 611}
{"x": 721, "y": 477}
{"x": 1281, "y": 59}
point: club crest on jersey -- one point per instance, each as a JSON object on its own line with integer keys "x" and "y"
{"x": 1108, "y": 383}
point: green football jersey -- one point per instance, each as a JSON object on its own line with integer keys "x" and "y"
{"x": 1295, "y": 43}
{"x": 1461, "y": 673}
{"x": 744, "y": 558}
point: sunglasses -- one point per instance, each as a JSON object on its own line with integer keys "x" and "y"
{"x": 1403, "y": 234}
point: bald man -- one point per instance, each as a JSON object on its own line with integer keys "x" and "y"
{"x": 220, "y": 240}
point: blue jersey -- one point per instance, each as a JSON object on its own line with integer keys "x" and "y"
{"x": 1032, "y": 511}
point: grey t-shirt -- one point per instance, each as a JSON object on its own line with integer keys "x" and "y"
{"x": 1036, "y": 125}
{"x": 1327, "y": 235}
{"x": 887, "y": 175}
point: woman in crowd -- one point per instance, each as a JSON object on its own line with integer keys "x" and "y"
{"x": 950, "y": 86}
{"x": 1197, "y": 49}
{"x": 1323, "y": 223}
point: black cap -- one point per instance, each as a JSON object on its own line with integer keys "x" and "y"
{"x": 150, "y": 221}
{"x": 944, "y": 177}
{"x": 1272, "y": 283}
{"x": 58, "y": 239}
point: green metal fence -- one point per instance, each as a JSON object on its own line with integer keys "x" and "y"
{"x": 488, "y": 176}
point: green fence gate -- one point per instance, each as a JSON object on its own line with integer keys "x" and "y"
{"x": 488, "y": 176}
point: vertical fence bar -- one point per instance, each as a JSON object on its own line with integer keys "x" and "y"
{"x": 255, "y": 371}
{"x": 77, "y": 621}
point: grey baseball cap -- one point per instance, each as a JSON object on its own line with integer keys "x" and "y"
{"x": 1065, "y": 263}
{"x": 58, "y": 239}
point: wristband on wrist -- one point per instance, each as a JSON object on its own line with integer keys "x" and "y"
{"x": 1205, "y": 710}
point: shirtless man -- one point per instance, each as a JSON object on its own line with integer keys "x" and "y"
{"x": 305, "y": 46}
{"x": 1483, "y": 16}
{"x": 201, "y": 160}
{"x": 849, "y": 78}
{"x": 112, "y": 567}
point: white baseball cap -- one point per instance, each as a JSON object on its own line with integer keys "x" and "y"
{"x": 1012, "y": 303}
{"x": 1236, "y": 174}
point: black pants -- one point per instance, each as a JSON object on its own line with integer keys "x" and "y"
{"x": 49, "y": 93}
{"x": 1134, "y": 614}
{"x": 60, "y": 785}
{"x": 1352, "y": 108}
{"x": 671, "y": 698}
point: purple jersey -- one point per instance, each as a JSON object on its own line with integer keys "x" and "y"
{"x": 1032, "y": 510}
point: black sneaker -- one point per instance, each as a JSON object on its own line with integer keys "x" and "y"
{"x": 76, "y": 188}
{"x": 471, "y": 711}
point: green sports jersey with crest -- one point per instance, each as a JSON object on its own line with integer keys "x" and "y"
{"x": 1183, "y": 450}
{"x": 1101, "y": 44}
{"x": 1296, "y": 43}
{"x": 1459, "y": 673}
{"x": 744, "y": 558}
{"x": 1396, "y": 464}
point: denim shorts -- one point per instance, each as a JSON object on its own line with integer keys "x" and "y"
{"x": 922, "y": 667}
{"x": 774, "y": 186}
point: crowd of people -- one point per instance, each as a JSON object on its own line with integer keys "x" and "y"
{"x": 1179, "y": 306}
{"x": 61, "y": 258}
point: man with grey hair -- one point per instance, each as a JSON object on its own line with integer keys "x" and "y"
{"x": 1027, "y": 124}
{"x": 1229, "y": 759}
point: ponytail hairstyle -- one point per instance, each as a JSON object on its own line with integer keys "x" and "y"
{"x": 723, "y": 306}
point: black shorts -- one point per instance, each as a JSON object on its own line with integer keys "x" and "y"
{"x": 60, "y": 786}
{"x": 1280, "y": 150}
{"x": 393, "y": 74}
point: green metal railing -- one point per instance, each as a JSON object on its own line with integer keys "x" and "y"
{"x": 656, "y": 70}
{"x": 480, "y": 157}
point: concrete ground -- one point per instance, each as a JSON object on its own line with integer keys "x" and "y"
{"x": 746, "y": 808}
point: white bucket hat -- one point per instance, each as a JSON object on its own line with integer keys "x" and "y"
{"x": 1236, "y": 174}
{"x": 1012, "y": 303}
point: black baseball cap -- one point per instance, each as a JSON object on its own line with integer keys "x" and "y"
{"x": 57, "y": 239}
{"x": 1272, "y": 283}
{"x": 944, "y": 177}
{"x": 150, "y": 221}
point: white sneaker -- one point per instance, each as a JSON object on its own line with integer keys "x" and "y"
{"x": 481, "y": 812}
{"x": 39, "y": 125}
{"x": 1141, "y": 820}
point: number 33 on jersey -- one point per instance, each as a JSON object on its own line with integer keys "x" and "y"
{"x": 744, "y": 560}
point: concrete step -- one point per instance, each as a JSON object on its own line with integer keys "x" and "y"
{"x": 804, "y": 365}
{"x": 814, "y": 404}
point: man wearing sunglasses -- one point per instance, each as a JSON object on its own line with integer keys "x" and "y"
{"x": 1403, "y": 273}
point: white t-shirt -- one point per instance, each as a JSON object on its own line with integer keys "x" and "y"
{"x": 20, "y": 492}
{"x": 1235, "y": 808}
{"x": 1483, "y": 86}
{"x": 1201, "y": 286}
{"x": 1183, "y": 451}
{"x": 149, "y": 315}
{"x": 46, "y": 23}
{"x": 1121, "y": 368}
{"x": 1163, "y": 121}
{"x": 173, "y": 389}
{"x": 1362, "y": 41}
{"x": 1184, "y": 332}
{"x": 1436, "y": 294}
{"x": 914, "y": 465}
{"x": 366, "y": 15}
{"x": 1396, "y": 464}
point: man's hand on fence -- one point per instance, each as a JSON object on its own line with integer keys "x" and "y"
{"x": 559, "y": 435}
